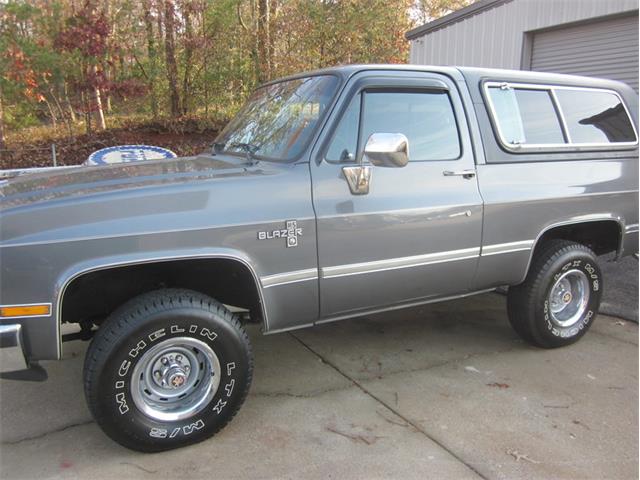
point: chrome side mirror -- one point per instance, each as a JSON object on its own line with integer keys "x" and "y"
{"x": 387, "y": 150}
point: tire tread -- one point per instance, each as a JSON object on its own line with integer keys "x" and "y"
{"x": 521, "y": 299}
{"x": 123, "y": 321}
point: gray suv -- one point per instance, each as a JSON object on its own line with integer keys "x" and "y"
{"x": 332, "y": 194}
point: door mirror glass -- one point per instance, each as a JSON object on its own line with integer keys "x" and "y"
{"x": 387, "y": 150}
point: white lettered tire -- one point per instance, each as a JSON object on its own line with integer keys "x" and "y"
{"x": 168, "y": 369}
{"x": 559, "y": 300}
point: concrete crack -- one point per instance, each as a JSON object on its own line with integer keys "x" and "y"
{"x": 453, "y": 361}
{"x": 50, "y": 432}
{"x": 135, "y": 465}
{"x": 393, "y": 422}
{"x": 314, "y": 394}
{"x": 416, "y": 426}
{"x": 366, "y": 439}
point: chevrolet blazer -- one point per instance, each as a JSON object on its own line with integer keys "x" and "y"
{"x": 332, "y": 194}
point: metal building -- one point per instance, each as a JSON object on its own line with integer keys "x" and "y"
{"x": 583, "y": 37}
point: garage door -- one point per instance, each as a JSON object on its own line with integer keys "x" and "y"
{"x": 607, "y": 49}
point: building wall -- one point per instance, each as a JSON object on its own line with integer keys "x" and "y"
{"x": 495, "y": 37}
{"x": 605, "y": 48}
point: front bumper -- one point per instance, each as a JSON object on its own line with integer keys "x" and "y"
{"x": 14, "y": 364}
{"x": 13, "y": 354}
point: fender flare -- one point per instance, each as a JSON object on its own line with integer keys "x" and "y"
{"x": 97, "y": 264}
{"x": 575, "y": 221}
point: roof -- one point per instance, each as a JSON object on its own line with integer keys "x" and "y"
{"x": 346, "y": 71}
{"x": 473, "y": 9}
{"x": 472, "y": 74}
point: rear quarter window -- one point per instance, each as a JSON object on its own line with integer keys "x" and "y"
{"x": 526, "y": 116}
{"x": 539, "y": 118}
{"x": 595, "y": 117}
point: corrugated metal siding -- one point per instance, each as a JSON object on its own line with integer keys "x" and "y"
{"x": 606, "y": 49}
{"x": 494, "y": 37}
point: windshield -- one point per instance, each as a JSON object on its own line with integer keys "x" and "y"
{"x": 278, "y": 120}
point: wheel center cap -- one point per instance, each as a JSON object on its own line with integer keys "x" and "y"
{"x": 177, "y": 379}
{"x": 566, "y": 298}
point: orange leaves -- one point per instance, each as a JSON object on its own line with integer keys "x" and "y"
{"x": 16, "y": 60}
{"x": 30, "y": 80}
{"x": 22, "y": 73}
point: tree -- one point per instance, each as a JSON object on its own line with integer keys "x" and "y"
{"x": 3, "y": 139}
{"x": 28, "y": 69}
{"x": 152, "y": 72}
{"x": 428, "y": 10}
{"x": 264, "y": 38}
{"x": 190, "y": 57}
{"x": 85, "y": 34}
{"x": 170, "y": 52}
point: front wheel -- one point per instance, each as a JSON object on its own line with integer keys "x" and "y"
{"x": 558, "y": 301}
{"x": 168, "y": 369}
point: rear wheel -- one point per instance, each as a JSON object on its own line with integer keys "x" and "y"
{"x": 559, "y": 299}
{"x": 168, "y": 369}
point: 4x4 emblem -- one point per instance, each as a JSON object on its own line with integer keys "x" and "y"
{"x": 290, "y": 233}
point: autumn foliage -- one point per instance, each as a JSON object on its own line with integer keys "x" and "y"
{"x": 71, "y": 62}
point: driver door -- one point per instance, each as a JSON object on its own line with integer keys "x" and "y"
{"x": 416, "y": 233}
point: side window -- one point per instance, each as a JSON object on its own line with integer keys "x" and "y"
{"x": 426, "y": 118}
{"x": 558, "y": 117}
{"x": 595, "y": 117}
{"x": 526, "y": 116}
{"x": 345, "y": 139}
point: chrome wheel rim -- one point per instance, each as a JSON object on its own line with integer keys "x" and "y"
{"x": 175, "y": 379}
{"x": 568, "y": 298}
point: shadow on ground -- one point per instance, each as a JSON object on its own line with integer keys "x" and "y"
{"x": 620, "y": 297}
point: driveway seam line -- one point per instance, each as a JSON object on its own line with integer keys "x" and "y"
{"x": 417, "y": 427}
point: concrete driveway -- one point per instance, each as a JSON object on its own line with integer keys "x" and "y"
{"x": 444, "y": 391}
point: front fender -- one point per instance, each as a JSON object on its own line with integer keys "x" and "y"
{"x": 104, "y": 263}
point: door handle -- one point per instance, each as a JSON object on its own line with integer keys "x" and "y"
{"x": 459, "y": 173}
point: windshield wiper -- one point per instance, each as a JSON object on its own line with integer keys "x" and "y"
{"x": 248, "y": 148}
{"x": 218, "y": 147}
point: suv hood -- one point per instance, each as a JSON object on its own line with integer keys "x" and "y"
{"x": 85, "y": 181}
{"x": 130, "y": 199}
